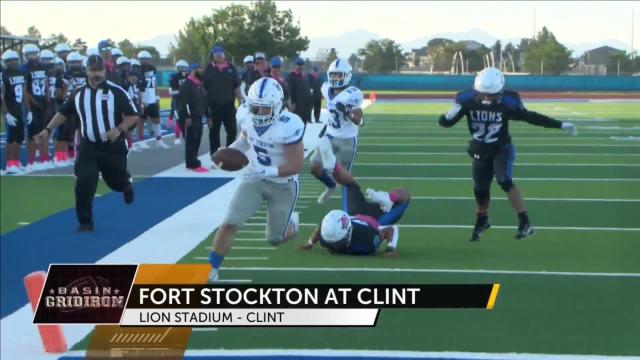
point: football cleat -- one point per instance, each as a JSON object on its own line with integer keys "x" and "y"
{"x": 128, "y": 195}
{"x": 381, "y": 198}
{"x": 161, "y": 144}
{"x": 143, "y": 145}
{"x": 213, "y": 276}
{"x": 295, "y": 221}
{"x": 177, "y": 141}
{"x": 482, "y": 224}
{"x": 524, "y": 230}
{"x": 326, "y": 195}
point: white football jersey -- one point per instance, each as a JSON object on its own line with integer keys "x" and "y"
{"x": 339, "y": 126}
{"x": 267, "y": 144}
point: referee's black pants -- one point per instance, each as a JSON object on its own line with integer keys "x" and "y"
{"x": 193, "y": 136}
{"x": 224, "y": 114}
{"x": 109, "y": 159}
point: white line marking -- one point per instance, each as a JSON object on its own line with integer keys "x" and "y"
{"x": 469, "y": 163}
{"x": 259, "y": 217}
{"x": 22, "y": 223}
{"x": 249, "y": 248}
{"x": 235, "y": 258}
{"x": 468, "y": 178}
{"x": 519, "y": 144}
{"x": 383, "y": 354}
{"x": 462, "y": 153}
{"x": 201, "y": 329}
{"x": 504, "y": 198}
{"x": 413, "y": 270}
{"x": 497, "y": 227}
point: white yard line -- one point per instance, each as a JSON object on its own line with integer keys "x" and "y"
{"x": 236, "y": 258}
{"x": 546, "y": 179}
{"x": 360, "y": 144}
{"x": 501, "y": 198}
{"x": 414, "y": 270}
{"x": 310, "y": 354}
{"x": 462, "y": 153}
{"x": 466, "y": 164}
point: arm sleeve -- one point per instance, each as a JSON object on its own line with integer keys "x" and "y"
{"x": 69, "y": 107}
{"x": 124, "y": 104}
{"x": 519, "y": 112}
{"x": 184, "y": 100}
{"x": 455, "y": 113}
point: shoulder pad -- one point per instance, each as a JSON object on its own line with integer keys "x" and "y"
{"x": 464, "y": 96}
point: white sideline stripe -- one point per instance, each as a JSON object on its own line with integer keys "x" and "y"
{"x": 468, "y": 178}
{"x": 191, "y": 225}
{"x": 504, "y": 198}
{"x": 497, "y": 227}
{"x": 235, "y": 258}
{"x": 413, "y": 270}
{"x": 462, "y": 153}
{"x": 248, "y": 248}
{"x": 22, "y": 223}
{"x": 467, "y": 164}
{"x": 519, "y": 144}
{"x": 438, "y": 137}
{"x": 390, "y": 354}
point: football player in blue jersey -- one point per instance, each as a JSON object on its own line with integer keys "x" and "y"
{"x": 488, "y": 108}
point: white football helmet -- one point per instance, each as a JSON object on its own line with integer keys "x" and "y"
{"x": 336, "y": 226}
{"x": 62, "y": 47}
{"x": 92, "y": 51}
{"x": 182, "y": 64}
{"x": 144, "y": 54}
{"x": 135, "y": 62}
{"x": 30, "y": 50}
{"x": 74, "y": 56}
{"x": 265, "y": 99}
{"x": 248, "y": 59}
{"x": 122, "y": 60}
{"x": 341, "y": 71}
{"x": 116, "y": 52}
{"x": 47, "y": 55}
{"x": 10, "y": 55}
{"x": 489, "y": 81}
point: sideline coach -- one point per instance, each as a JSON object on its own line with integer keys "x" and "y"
{"x": 222, "y": 85}
{"x": 105, "y": 112}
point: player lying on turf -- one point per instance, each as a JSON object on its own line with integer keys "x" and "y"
{"x": 272, "y": 140}
{"x": 488, "y": 108}
{"x": 361, "y": 229}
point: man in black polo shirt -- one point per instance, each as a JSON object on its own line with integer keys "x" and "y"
{"x": 105, "y": 113}
{"x": 222, "y": 85}
{"x": 316, "y": 94}
{"x": 300, "y": 91}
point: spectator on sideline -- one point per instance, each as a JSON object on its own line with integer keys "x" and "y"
{"x": 300, "y": 91}
{"x": 222, "y": 85}
{"x": 192, "y": 107}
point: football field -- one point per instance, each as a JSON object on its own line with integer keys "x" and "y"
{"x": 572, "y": 288}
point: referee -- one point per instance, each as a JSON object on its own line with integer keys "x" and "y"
{"x": 105, "y": 113}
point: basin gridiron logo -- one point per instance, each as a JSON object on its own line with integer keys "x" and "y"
{"x": 85, "y": 294}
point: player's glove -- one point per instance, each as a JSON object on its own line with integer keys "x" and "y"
{"x": 11, "y": 120}
{"x": 569, "y": 128}
{"x": 259, "y": 172}
{"x": 29, "y": 117}
{"x": 343, "y": 109}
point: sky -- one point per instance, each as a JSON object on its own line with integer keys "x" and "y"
{"x": 572, "y": 21}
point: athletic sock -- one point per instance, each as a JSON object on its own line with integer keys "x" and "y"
{"x": 141, "y": 134}
{"x": 393, "y": 196}
{"x": 177, "y": 130}
{"x": 129, "y": 141}
{"x": 326, "y": 180}
{"x": 524, "y": 217}
{"x": 157, "y": 131}
{"x": 215, "y": 259}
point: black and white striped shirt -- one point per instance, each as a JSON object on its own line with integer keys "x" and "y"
{"x": 98, "y": 110}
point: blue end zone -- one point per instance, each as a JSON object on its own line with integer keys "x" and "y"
{"x": 148, "y": 134}
{"x": 54, "y": 239}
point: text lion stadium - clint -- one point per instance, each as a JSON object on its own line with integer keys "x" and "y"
{"x": 319, "y": 180}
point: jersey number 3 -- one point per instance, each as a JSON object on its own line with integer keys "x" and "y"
{"x": 335, "y": 119}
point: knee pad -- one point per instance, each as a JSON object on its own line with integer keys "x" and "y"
{"x": 482, "y": 195}
{"x": 506, "y": 184}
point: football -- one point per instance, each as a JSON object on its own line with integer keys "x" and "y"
{"x": 230, "y": 159}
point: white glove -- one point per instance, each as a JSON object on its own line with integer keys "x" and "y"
{"x": 569, "y": 128}
{"x": 29, "y": 117}
{"x": 259, "y": 172}
{"x": 11, "y": 120}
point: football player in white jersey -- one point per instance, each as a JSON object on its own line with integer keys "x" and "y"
{"x": 271, "y": 137}
{"x": 344, "y": 103}
{"x": 150, "y": 100}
